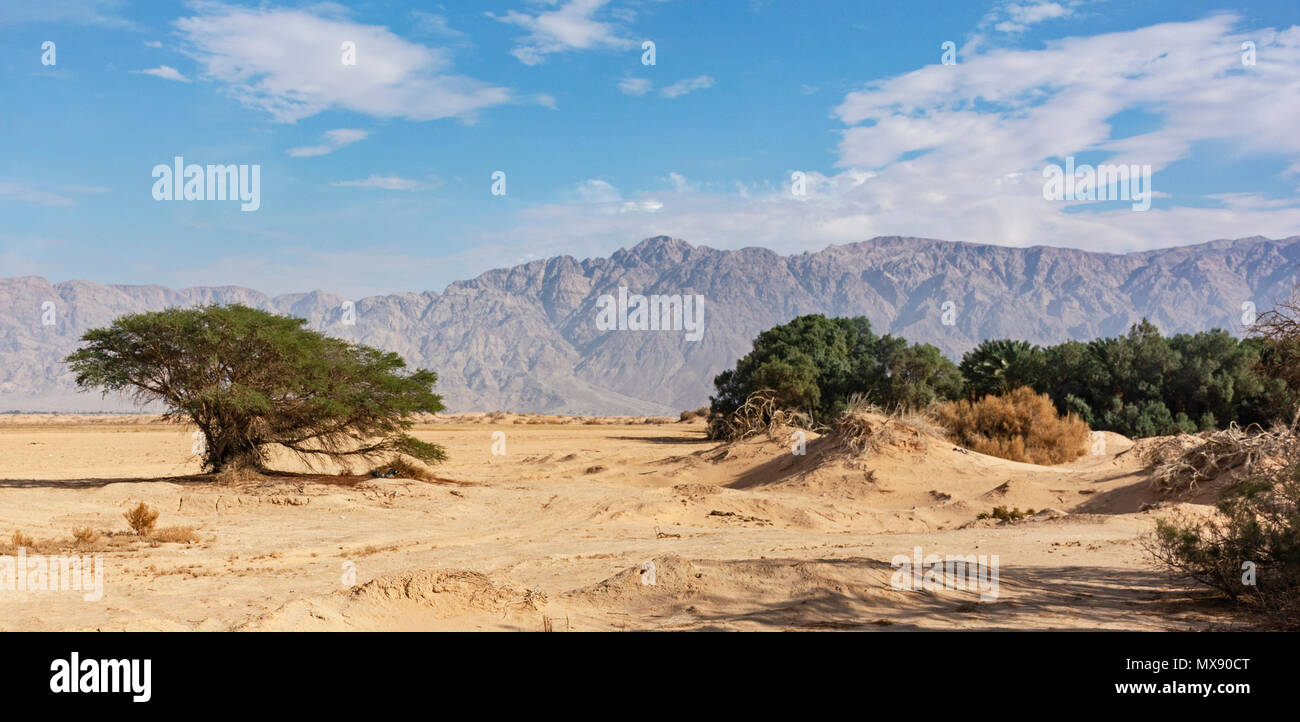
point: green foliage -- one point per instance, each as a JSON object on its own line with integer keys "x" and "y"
{"x": 998, "y": 366}
{"x": 814, "y": 364}
{"x": 1140, "y": 384}
{"x": 250, "y": 380}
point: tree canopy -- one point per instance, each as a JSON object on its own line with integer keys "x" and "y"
{"x": 252, "y": 380}
{"x": 815, "y": 364}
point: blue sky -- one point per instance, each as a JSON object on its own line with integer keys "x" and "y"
{"x": 376, "y": 177}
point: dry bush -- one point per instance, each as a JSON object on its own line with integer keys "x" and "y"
{"x": 175, "y": 535}
{"x": 1181, "y": 462}
{"x": 403, "y": 469}
{"x": 141, "y": 519}
{"x": 20, "y": 539}
{"x": 85, "y": 536}
{"x": 1020, "y": 425}
{"x": 758, "y": 415}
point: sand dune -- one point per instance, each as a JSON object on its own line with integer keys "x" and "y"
{"x": 558, "y": 532}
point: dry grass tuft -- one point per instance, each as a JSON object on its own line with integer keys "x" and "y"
{"x": 1020, "y": 425}
{"x": 867, "y": 428}
{"x": 20, "y": 539}
{"x": 1181, "y": 462}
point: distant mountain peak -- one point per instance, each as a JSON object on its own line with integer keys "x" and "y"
{"x": 525, "y": 338}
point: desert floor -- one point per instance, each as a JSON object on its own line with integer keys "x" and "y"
{"x": 554, "y": 534}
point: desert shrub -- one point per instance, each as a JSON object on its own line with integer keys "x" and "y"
{"x": 760, "y": 414}
{"x": 1020, "y": 426}
{"x": 20, "y": 539}
{"x": 1002, "y": 513}
{"x": 1249, "y": 549}
{"x": 141, "y": 518}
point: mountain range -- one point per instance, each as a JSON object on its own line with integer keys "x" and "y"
{"x": 526, "y": 338}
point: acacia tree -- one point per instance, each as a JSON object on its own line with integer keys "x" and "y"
{"x": 251, "y": 380}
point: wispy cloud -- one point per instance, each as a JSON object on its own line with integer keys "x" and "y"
{"x": 166, "y": 72}
{"x": 635, "y": 86}
{"x": 598, "y": 191}
{"x": 387, "y": 183}
{"x": 682, "y": 87}
{"x": 289, "y": 63}
{"x": 570, "y": 26}
{"x": 434, "y": 24}
{"x": 332, "y": 141}
{"x": 26, "y": 193}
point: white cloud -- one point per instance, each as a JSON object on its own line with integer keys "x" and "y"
{"x": 434, "y": 24}
{"x": 333, "y": 140}
{"x": 598, "y": 191}
{"x": 570, "y": 26}
{"x": 288, "y": 63}
{"x": 957, "y": 152}
{"x": 153, "y": 43}
{"x": 634, "y": 86}
{"x": 166, "y": 72}
{"x": 682, "y": 87}
{"x": 1016, "y": 17}
{"x": 387, "y": 183}
{"x": 680, "y": 184}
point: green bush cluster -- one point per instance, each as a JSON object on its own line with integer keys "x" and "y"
{"x": 1138, "y": 384}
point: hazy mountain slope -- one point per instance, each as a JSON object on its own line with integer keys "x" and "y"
{"x": 525, "y": 338}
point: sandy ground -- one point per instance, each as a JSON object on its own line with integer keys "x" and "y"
{"x": 561, "y": 530}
